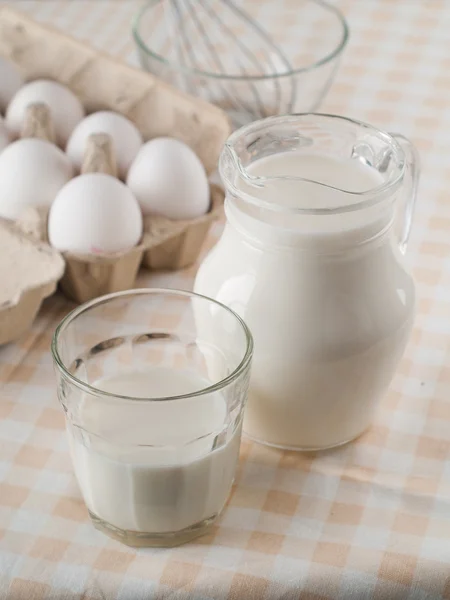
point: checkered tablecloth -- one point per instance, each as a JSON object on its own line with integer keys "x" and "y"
{"x": 368, "y": 521}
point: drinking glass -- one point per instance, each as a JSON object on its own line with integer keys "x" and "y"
{"x": 154, "y": 407}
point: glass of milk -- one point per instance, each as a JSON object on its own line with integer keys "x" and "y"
{"x": 154, "y": 410}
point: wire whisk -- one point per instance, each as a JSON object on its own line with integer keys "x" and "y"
{"x": 203, "y": 29}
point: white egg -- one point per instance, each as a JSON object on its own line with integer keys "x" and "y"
{"x": 125, "y": 135}
{"x": 95, "y": 213}
{"x": 32, "y": 172}
{"x": 66, "y": 109}
{"x": 168, "y": 179}
{"x": 4, "y": 135}
{"x": 11, "y": 81}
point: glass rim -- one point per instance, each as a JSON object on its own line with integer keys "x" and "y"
{"x": 336, "y": 52}
{"x": 85, "y": 307}
{"x": 367, "y": 198}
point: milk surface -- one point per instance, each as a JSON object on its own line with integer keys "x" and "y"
{"x": 150, "y": 466}
{"x": 327, "y": 299}
{"x": 346, "y": 174}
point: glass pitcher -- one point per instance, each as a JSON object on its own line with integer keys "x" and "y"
{"x": 319, "y": 212}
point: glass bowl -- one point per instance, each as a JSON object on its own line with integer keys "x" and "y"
{"x": 253, "y": 58}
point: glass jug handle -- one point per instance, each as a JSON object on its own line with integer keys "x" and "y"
{"x": 410, "y": 193}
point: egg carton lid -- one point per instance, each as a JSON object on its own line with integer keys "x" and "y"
{"x": 25, "y": 264}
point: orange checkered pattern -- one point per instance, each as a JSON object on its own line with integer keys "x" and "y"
{"x": 368, "y": 521}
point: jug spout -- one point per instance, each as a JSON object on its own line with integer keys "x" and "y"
{"x": 230, "y": 166}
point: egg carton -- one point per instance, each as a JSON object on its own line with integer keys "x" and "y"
{"x": 88, "y": 276}
{"x": 157, "y": 109}
{"x": 29, "y": 272}
{"x": 177, "y": 244}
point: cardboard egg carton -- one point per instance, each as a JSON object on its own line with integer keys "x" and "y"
{"x": 156, "y": 108}
{"x": 177, "y": 244}
{"x": 86, "y": 276}
{"x": 29, "y": 272}
{"x": 165, "y": 245}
